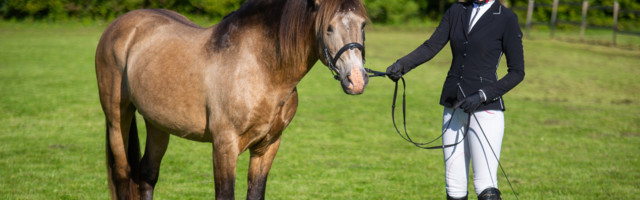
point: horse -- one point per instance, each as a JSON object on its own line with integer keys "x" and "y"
{"x": 232, "y": 85}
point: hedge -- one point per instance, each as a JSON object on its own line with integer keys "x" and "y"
{"x": 380, "y": 11}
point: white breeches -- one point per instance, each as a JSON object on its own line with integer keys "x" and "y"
{"x": 477, "y": 147}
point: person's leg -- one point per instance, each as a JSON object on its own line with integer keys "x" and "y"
{"x": 456, "y": 158}
{"x": 485, "y": 141}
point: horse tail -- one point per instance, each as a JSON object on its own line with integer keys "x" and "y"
{"x": 133, "y": 158}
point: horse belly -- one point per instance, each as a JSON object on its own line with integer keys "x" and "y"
{"x": 178, "y": 121}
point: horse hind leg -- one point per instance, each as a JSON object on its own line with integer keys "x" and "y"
{"x": 155, "y": 148}
{"x": 123, "y": 147}
{"x": 123, "y": 154}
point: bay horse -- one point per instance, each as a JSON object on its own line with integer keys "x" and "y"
{"x": 233, "y": 84}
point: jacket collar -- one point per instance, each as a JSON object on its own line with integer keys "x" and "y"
{"x": 487, "y": 17}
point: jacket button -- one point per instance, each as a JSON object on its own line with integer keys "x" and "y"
{"x": 462, "y": 66}
{"x": 460, "y": 77}
{"x": 466, "y": 42}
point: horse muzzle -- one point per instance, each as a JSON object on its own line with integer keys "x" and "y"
{"x": 355, "y": 81}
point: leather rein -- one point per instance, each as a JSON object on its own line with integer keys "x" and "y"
{"x": 406, "y": 136}
{"x": 372, "y": 73}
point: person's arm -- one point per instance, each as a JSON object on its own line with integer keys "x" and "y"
{"x": 512, "y": 48}
{"x": 424, "y": 52}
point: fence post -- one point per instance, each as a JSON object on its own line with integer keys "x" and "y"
{"x": 585, "y": 8}
{"x": 529, "y": 14}
{"x": 554, "y": 17}
{"x": 616, "y": 8}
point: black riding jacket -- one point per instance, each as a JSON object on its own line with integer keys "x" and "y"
{"x": 476, "y": 54}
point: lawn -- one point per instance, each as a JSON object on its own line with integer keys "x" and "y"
{"x": 572, "y": 126}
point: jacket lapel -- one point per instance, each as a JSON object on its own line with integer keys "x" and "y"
{"x": 466, "y": 18}
{"x": 487, "y": 17}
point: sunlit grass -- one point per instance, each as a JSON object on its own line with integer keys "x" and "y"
{"x": 572, "y": 126}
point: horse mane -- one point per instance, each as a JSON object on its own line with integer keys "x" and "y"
{"x": 289, "y": 22}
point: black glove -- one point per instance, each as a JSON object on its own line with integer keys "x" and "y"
{"x": 394, "y": 72}
{"x": 472, "y": 102}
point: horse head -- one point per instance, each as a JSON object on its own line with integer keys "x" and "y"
{"x": 340, "y": 33}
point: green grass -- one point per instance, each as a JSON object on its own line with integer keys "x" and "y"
{"x": 572, "y": 126}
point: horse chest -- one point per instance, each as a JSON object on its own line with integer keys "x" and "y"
{"x": 266, "y": 123}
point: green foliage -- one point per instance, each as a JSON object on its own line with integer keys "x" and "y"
{"x": 381, "y": 11}
{"x": 391, "y": 11}
{"x": 108, "y": 9}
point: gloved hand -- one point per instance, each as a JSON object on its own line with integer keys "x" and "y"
{"x": 394, "y": 72}
{"x": 472, "y": 102}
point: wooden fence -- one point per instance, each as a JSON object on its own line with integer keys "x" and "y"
{"x": 585, "y": 7}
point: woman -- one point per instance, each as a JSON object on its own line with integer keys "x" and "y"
{"x": 479, "y": 32}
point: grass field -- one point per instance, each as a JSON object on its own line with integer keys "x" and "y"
{"x": 572, "y": 126}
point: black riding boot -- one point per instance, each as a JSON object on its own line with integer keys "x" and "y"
{"x": 490, "y": 194}
{"x": 461, "y": 198}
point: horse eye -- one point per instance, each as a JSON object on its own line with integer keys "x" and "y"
{"x": 330, "y": 29}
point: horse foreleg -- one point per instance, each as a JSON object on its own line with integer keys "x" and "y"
{"x": 157, "y": 142}
{"x": 259, "y": 167}
{"x": 225, "y": 158}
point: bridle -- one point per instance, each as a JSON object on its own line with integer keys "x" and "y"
{"x": 331, "y": 61}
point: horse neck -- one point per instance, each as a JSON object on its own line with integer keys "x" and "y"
{"x": 282, "y": 32}
{"x": 295, "y": 62}
{"x": 295, "y": 42}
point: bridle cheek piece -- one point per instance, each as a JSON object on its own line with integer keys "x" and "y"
{"x": 332, "y": 61}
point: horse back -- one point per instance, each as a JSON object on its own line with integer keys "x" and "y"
{"x": 138, "y": 26}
